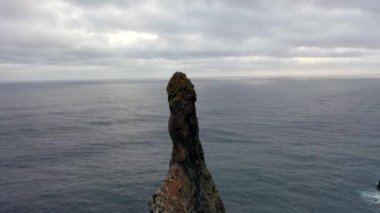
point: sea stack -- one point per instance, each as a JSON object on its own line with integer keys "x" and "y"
{"x": 188, "y": 186}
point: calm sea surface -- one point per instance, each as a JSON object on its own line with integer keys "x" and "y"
{"x": 272, "y": 145}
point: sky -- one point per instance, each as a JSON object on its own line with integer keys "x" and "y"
{"x": 117, "y": 39}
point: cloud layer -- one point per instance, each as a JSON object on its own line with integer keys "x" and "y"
{"x": 57, "y": 39}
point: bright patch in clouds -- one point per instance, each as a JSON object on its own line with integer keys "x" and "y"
{"x": 312, "y": 60}
{"x": 129, "y": 38}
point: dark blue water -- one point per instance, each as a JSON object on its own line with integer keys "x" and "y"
{"x": 272, "y": 145}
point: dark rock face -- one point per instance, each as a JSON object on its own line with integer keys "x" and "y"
{"x": 188, "y": 186}
{"x": 378, "y": 186}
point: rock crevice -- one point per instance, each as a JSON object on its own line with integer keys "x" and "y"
{"x": 188, "y": 186}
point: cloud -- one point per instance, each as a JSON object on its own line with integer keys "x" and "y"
{"x": 128, "y": 39}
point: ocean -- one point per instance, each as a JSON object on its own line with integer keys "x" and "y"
{"x": 271, "y": 144}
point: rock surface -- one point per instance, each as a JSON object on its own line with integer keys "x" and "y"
{"x": 188, "y": 186}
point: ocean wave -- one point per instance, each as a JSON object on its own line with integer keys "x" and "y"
{"x": 371, "y": 197}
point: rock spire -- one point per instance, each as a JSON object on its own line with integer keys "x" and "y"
{"x": 188, "y": 186}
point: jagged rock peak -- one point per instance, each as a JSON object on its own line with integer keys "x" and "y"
{"x": 188, "y": 186}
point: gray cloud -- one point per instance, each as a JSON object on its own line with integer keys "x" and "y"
{"x": 127, "y": 39}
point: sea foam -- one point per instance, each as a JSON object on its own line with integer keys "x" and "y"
{"x": 371, "y": 197}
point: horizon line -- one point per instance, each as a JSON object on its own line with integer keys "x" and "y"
{"x": 210, "y": 77}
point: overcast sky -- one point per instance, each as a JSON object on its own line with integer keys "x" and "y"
{"x": 57, "y": 39}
